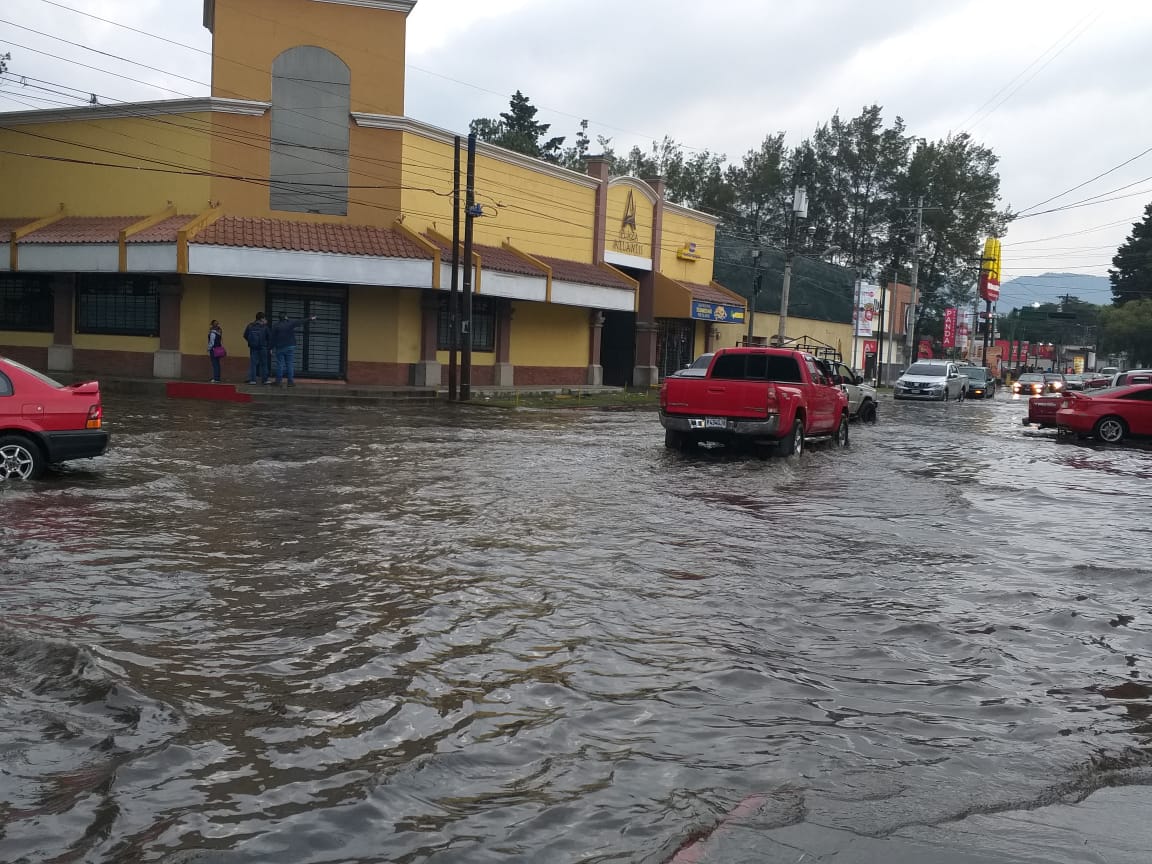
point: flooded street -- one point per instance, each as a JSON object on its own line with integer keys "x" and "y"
{"x": 367, "y": 634}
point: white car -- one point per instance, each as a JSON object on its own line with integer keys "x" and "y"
{"x": 861, "y": 396}
{"x": 939, "y": 380}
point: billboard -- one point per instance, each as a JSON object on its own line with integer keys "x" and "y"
{"x": 989, "y": 289}
{"x": 867, "y": 308}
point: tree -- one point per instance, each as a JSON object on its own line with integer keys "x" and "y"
{"x": 517, "y": 129}
{"x": 1128, "y": 329}
{"x": 1132, "y": 265}
{"x": 958, "y": 182}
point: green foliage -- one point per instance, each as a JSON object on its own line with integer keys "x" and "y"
{"x": 1128, "y": 329}
{"x": 517, "y": 129}
{"x": 1036, "y": 325}
{"x": 1132, "y": 265}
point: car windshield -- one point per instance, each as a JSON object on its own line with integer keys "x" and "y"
{"x": 51, "y": 382}
{"x": 1030, "y": 378}
{"x": 932, "y": 369}
{"x": 975, "y": 375}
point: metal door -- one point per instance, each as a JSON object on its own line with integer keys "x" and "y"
{"x": 321, "y": 345}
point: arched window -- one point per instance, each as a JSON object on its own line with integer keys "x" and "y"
{"x": 310, "y": 116}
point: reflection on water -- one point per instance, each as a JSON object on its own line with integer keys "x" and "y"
{"x": 305, "y": 634}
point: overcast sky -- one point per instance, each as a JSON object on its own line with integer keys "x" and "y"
{"x": 1060, "y": 90}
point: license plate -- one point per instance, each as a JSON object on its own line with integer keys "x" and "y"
{"x": 715, "y": 423}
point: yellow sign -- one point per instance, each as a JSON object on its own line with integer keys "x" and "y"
{"x": 688, "y": 252}
{"x": 1078, "y": 364}
{"x": 990, "y": 271}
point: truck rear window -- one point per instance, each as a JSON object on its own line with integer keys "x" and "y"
{"x": 757, "y": 367}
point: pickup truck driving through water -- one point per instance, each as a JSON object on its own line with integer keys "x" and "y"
{"x": 750, "y": 395}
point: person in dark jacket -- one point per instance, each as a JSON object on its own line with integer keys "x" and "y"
{"x": 284, "y": 344}
{"x": 258, "y": 337}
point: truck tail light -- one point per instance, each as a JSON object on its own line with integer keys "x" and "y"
{"x": 95, "y": 416}
{"x": 771, "y": 399}
{"x": 663, "y": 395}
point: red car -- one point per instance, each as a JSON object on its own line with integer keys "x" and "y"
{"x": 1108, "y": 415}
{"x": 43, "y": 422}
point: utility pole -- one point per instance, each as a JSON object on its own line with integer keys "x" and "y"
{"x": 799, "y": 211}
{"x": 454, "y": 296}
{"x": 756, "y": 276}
{"x": 469, "y": 217}
{"x": 880, "y": 332}
{"x": 911, "y": 354}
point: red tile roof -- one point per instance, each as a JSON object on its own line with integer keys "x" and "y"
{"x": 7, "y": 226}
{"x": 587, "y": 274}
{"x": 82, "y": 229}
{"x": 333, "y": 237}
{"x": 491, "y": 258}
{"x": 161, "y": 232}
{"x": 714, "y": 293}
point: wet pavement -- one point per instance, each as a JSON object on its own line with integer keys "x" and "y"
{"x": 313, "y": 633}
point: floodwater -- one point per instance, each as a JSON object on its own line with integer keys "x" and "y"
{"x": 305, "y": 633}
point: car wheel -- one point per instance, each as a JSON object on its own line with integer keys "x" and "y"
{"x": 840, "y": 439}
{"x": 20, "y": 459}
{"x": 793, "y": 445}
{"x": 1110, "y": 430}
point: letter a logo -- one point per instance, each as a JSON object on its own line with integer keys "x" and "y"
{"x": 628, "y": 223}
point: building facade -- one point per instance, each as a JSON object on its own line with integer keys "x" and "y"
{"x": 300, "y": 187}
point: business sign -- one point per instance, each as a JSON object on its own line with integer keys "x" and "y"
{"x": 925, "y": 352}
{"x": 718, "y": 312}
{"x": 688, "y": 252}
{"x": 867, "y": 308}
{"x": 871, "y": 346}
{"x": 989, "y": 288}
{"x": 950, "y": 327}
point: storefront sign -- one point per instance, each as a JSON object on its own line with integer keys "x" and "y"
{"x": 688, "y": 252}
{"x": 717, "y": 312}
{"x": 870, "y": 346}
{"x": 627, "y": 241}
{"x": 925, "y": 352}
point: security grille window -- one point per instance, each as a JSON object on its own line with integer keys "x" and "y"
{"x": 26, "y": 303}
{"x": 117, "y": 305}
{"x": 483, "y": 325}
{"x": 310, "y": 115}
{"x": 675, "y": 339}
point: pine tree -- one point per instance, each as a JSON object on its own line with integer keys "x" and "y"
{"x": 517, "y": 129}
{"x": 1132, "y": 264}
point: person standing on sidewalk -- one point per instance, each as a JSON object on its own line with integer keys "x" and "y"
{"x": 284, "y": 345}
{"x": 215, "y": 349}
{"x": 258, "y": 337}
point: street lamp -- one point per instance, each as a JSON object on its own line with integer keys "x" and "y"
{"x": 799, "y": 211}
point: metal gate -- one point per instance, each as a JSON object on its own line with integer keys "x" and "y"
{"x": 675, "y": 342}
{"x": 321, "y": 345}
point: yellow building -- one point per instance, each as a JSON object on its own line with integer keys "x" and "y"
{"x": 300, "y": 187}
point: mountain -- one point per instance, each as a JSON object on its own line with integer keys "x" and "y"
{"x": 1051, "y": 287}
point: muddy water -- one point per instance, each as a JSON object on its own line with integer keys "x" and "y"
{"x": 422, "y": 635}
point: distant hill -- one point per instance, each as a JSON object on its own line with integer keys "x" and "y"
{"x": 1050, "y": 287}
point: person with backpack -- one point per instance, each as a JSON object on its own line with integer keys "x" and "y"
{"x": 259, "y": 339}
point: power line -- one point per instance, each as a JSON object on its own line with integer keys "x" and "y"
{"x": 1090, "y": 180}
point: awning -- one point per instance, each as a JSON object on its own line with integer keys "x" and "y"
{"x": 595, "y": 286}
{"x": 712, "y": 302}
{"x": 497, "y": 271}
{"x": 309, "y": 251}
{"x": 75, "y": 244}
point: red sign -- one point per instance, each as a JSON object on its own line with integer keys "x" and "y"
{"x": 870, "y": 346}
{"x": 925, "y": 352}
{"x": 950, "y": 327}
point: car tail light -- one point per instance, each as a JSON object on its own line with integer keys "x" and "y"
{"x": 95, "y": 416}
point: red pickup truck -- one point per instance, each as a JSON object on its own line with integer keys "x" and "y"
{"x": 756, "y": 395}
